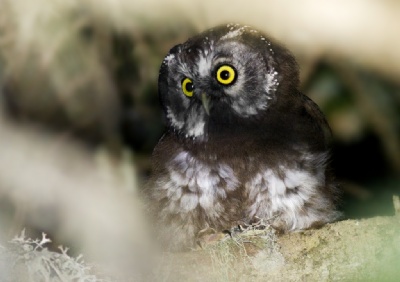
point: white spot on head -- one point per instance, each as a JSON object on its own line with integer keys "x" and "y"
{"x": 272, "y": 81}
{"x": 233, "y": 33}
{"x": 169, "y": 58}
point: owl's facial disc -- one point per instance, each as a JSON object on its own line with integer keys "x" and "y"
{"x": 228, "y": 73}
{"x": 224, "y": 74}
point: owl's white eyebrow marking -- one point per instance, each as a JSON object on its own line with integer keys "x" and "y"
{"x": 205, "y": 58}
{"x": 183, "y": 68}
{"x": 204, "y": 64}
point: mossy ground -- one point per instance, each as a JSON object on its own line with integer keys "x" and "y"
{"x": 349, "y": 250}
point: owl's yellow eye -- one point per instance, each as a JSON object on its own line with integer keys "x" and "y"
{"x": 187, "y": 87}
{"x": 226, "y": 74}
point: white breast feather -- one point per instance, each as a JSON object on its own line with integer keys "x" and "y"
{"x": 205, "y": 183}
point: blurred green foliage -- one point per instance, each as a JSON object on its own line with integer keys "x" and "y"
{"x": 363, "y": 109}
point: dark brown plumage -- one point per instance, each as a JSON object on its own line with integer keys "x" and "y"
{"x": 241, "y": 142}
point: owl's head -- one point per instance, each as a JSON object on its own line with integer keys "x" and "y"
{"x": 229, "y": 74}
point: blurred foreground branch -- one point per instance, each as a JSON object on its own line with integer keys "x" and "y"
{"x": 59, "y": 186}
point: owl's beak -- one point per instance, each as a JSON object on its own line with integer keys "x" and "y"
{"x": 205, "y": 100}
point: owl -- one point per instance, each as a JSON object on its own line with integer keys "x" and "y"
{"x": 241, "y": 143}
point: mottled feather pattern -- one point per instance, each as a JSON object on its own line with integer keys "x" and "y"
{"x": 244, "y": 144}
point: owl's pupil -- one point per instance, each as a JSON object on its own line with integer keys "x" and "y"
{"x": 189, "y": 87}
{"x": 225, "y": 74}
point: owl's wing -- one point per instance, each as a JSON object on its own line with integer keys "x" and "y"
{"x": 316, "y": 114}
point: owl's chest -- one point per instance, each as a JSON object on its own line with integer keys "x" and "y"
{"x": 217, "y": 184}
{"x": 192, "y": 183}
